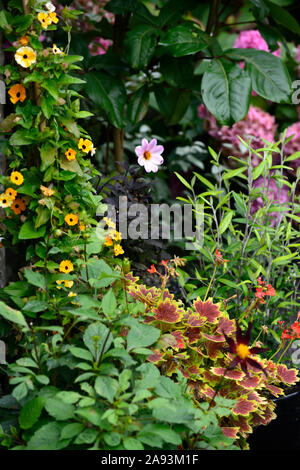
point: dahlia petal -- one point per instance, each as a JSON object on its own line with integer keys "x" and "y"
{"x": 152, "y": 145}
{"x": 145, "y": 144}
{"x": 139, "y": 151}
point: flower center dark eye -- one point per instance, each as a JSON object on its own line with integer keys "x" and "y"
{"x": 25, "y": 56}
{"x": 17, "y": 206}
{"x": 4, "y": 201}
{"x": 71, "y": 220}
{"x": 18, "y": 94}
{"x": 83, "y": 146}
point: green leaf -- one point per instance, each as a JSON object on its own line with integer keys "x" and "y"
{"x": 132, "y": 444}
{"x": 97, "y": 339}
{"x": 12, "y": 315}
{"x": 81, "y": 353}
{"x": 172, "y": 103}
{"x": 108, "y": 93}
{"x": 31, "y": 412}
{"x": 21, "y": 137}
{"x": 106, "y": 387}
{"x": 48, "y": 154}
{"x": 35, "y": 306}
{"x": 35, "y": 278}
{"x": 47, "y": 437}
{"x": 180, "y": 41}
{"x": 226, "y": 91}
{"x": 283, "y": 17}
{"x": 140, "y": 43}
{"x": 60, "y": 410}
{"x": 269, "y": 75}
{"x": 138, "y": 105}
{"x": 225, "y": 222}
{"x": 28, "y": 231}
{"x": 43, "y": 215}
{"x": 141, "y": 335}
{"x": 109, "y": 303}
{"x": 71, "y": 430}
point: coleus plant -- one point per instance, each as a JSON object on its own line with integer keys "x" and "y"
{"x": 194, "y": 340}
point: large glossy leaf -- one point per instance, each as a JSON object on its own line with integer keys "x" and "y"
{"x": 226, "y": 90}
{"x": 172, "y": 103}
{"x": 180, "y": 41}
{"x": 108, "y": 93}
{"x": 283, "y": 17}
{"x": 269, "y": 75}
{"x": 140, "y": 45}
{"x": 138, "y": 105}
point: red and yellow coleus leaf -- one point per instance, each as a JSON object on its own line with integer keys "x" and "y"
{"x": 230, "y": 432}
{"x": 168, "y": 312}
{"x": 207, "y": 310}
{"x": 230, "y": 374}
{"x": 250, "y": 382}
{"x": 288, "y": 376}
{"x": 274, "y": 390}
{"x": 244, "y": 407}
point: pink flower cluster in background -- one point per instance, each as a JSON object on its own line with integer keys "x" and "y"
{"x": 99, "y": 46}
{"x": 294, "y": 144}
{"x": 256, "y": 125}
{"x": 275, "y": 194}
{"x": 252, "y": 39}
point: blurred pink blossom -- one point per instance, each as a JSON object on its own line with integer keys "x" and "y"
{"x": 149, "y": 155}
{"x": 256, "y": 125}
{"x": 275, "y": 194}
{"x": 252, "y": 39}
{"x": 99, "y": 46}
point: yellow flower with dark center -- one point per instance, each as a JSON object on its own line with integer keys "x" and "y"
{"x": 56, "y": 50}
{"x": 115, "y": 235}
{"x": 72, "y": 294}
{"x": 70, "y": 154}
{"x": 24, "y": 40}
{"x": 12, "y": 193}
{"x": 53, "y": 17}
{"x": 25, "y": 56}
{"x": 109, "y": 222}
{"x": 66, "y": 266}
{"x": 85, "y": 145}
{"x": 5, "y": 200}
{"x": 118, "y": 250}
{"x": 71, "y": 219}
{"x": 47, "y": 191}
{"x": 81, "y": 227}
{"x": 17, "y": 178}
{"x": 17, "y": 93}
{"x": 44, "y": 19}
{"x": 18, "y": 206}
{"x": 65, "y": 282}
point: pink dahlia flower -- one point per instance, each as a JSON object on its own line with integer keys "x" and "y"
{"x": 252, "y": 39}
{"x": 294, "y": 144}
{"x": 149, "y": 155}
{"x": 256, "y": 125}
{"x": 275, "y": 194}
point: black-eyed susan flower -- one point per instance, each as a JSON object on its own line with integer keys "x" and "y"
{"x": 18, "y": 206}
{"x": 17, "y": 178}
{"x": 5, "y": 200}
{"x": 85, "y": 145}
{"x": 47, "y": 191}
{"x": 24, "y": 40}
{"x": 12, "y": 193}
{"x": 17, "y": 93}
{"x": 44, "y": 19}
{"x": 71, "y": 219}
{"x": 72, "y": 294}
{"x": 70, "y": 154}
{"x": 118, "y": 250}
{"x": 115, "y": 235}
{"x": 25, "y": 56}
{"x": 53, "y": 17}
{"x": 108, "y": 241}
{"x": 65, "y": 283}
{"x": 109, "y": 222}
{"x": 66, "y": 266}
{"x": 56, "y": 50}
{"x": 81, "y": 227}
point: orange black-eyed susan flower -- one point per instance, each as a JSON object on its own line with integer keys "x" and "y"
{"x": 71, "y": 219}
{"x": 72, "y": 294}
{"x": 108, "y": 241}
{"x": 70, "y": 154}
{"x": 17, "y": 93}
{"x": 47, "y": 191}
{"x": 241, "y": 351}
{"x": 81, "y": 227}
{"x": 85, "y": 145}
{"x": 115, "y": 235}
{"x": 17, "y": 178}
{"x": 24, "y": 40}
{"x": 18, "y": 206}
{"x": 118, "y": 250}
{"x": 109, "y": 222}
{"x": 44, "y": 19}
{"x": 25, "y": 56}
{"x": 12, "y": 193}
{"x": 5, "y": 200}
{"x": 66, "y": 266}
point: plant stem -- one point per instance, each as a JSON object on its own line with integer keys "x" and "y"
{"x": 210, "y": 282}
{"x": 290, "y": 342}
